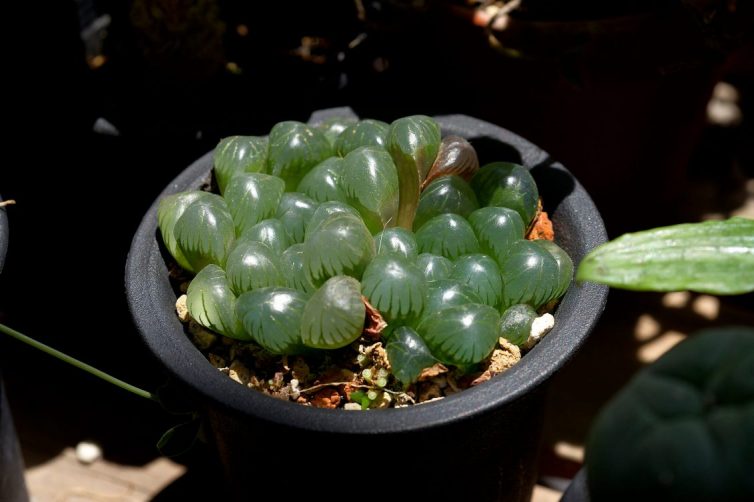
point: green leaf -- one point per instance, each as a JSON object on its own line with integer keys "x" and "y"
{"x": 413, "y": 142}
{"x": 504, "y": 184}
{"x": 170, "y": 209}
{"x": 447, "y": 194}
{"x": 565, "y": 265}
{"x": 334, "y": 126}
{"x": 294, "y": 149}
{"x": 180, "y": 439}
{"x": 205, "y": 232}
{"x": 272, "y": 316}
{"x": 448, "y": 235}
{"x": 530, "y": 275}
{"x": 252, "y": 198}
{"x": 408, "y": 355}
{"x": 370, "y": 182}
{"x": 238, "y": 154}
{"x": 211, "y": 303}
{"x": 322, "y": 183}
{"x": 395, "y": 287}
{"x": 434, "y": 267}
{"x": 325, "y": 211}
{"x": 461, "y": 335}
{"x": 715, "y": 257}
{"x": 294, "y": 212}
{"x": 481, "y": 274}
{"x": 364, "y": 133}
{"x": 334, "y": 315}
{"x": 397, "y": 240}
{"x": 292, "y": 267}
{"x": 252, "y": 265}
{"x": 445, "y": 293}
{"x": 341, "y": 245}
{"x": 455, "y": 157}
{"x": 270, "y": 231}
{"x": 515, "y": 323}
{"x": 497, "y": 228}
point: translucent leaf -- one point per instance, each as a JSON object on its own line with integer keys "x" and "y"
{"x": 364, "y": 133}
{"x": 325, "y": 211}
{"x": 334, "y": 126}
{"x": 294, "y": 149}
{"x": 294, "y": 212}
{"x": 272, "y": 232}
{"x": 170, "y": 209}
{"x": 238, "y": 154}
{"x": 252, "y": 198}
{"x": 462, "y": 335}
{"x": 212, "y": 304}
{"x": 252, "y": 265}
{"x": 180, "y": 439}
{"x": 413, "y": 142}
{"x": 446, "y": 293}
{"x": 322, "y": 183}
{"x": 565, "y": 265}
{"x": 397, "y": 240}
{"x": 272, "y": 316}
{"x": 434, "y": 267}
{"x": 481, "y": 274}
{"x": 292, "y": 266}
{"x": 448, "y": 235}
{"x": 456, "y": 157}
{"x": 515, "y": 323}
{"x": 448, "y": 194}
{"x": 497, "y": 228}
{"x": 334, "y": 315}
{"x": 341, "y": 245}
{"x": 408, "y": 355}
{"x": 504, "y": 184}
{"x": 530, "y": 275}
{"x": 395, "y": 287}
{"x": 370, "y": 183}
{"x": 715, "y": 257}
{"x": 205, "y": 232}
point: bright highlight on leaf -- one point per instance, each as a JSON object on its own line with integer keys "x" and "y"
{"x": 334, "y": 315}
{"x": 715, "y": 257}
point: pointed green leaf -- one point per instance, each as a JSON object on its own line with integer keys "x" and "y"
{"x": 334, "y": 315}
{"x": 170, "y": 209}
{"x": 252, "y": 198}
{"x": 395, "y": 287}
{"x": 239, "y": 154}
{"x": 205, "y": 232}
{"x": 294, "y": 149}
{"x": 715, "y": 257}
{"x": 408, "y": 355}
{"x": 272, "y": 316}
{"x": 322, "y": 183}
{"x": 252, "y": 265}
{"x": 212, "y": 304}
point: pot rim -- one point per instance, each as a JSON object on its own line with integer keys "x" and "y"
{"x": 152, "y": 308}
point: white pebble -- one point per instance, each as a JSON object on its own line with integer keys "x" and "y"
{"x": 352, "y": 406}
{"x": 539, "y": 328}
{"x": 87, "y": 452}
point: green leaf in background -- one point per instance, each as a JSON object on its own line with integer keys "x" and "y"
{"x": 205, "y": 232}
{"x": 408, "y": 355}
{"x": 212, "y": 304}
{"x": 294, "y": 149}
{"x": 332, "y": 127}
{"x": 715, "y": 257}
{"x": 413, "y": 142}
{"x": 272, "y": 316}
{"x": 334, "y": 316}
{"x": 364, "y": 133}
{"x": 682, "y": 428}
{"x": 239, "y": 154}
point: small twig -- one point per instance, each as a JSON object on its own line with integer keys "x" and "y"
{"x": 355, "y": 385}
{"x": 9, "y": 202}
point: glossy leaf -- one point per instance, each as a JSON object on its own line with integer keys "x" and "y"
{"x": 565, "y": 265}
{"x": 325, "y": 211}
{"x": 292, "y": 267}
{"x": 456, "y": 157}
{"x": 332, "y": 127}
{"x": 434, "y": 267}
{"x": 212, "y": 304}
{"x": 462, "y": 335}
{"x": 448, "y": 194}
{"x": 480, "y": 273}
{"x": 366, "y": 132}
{"x": 252, "y": 198}
{"x": 370, "y": 183}
{"x": 448, "y": 235}
{"x": 497, "y": 228}
{"x": 252, "y": 265}
{"x": 322, "y": 183}
{"x": 170, "y": 209}
{"x": 504, "y": 184}
{"x": 530, "y": 275}
{"x": 272, "y": 232}
{"x": 334, "y": 316}
{"x": 413, "y": 142}
{"x": 341, "y": 245}
{"x": 408, "y": 355}
{"x": 294, "y": 212}
{"x": 515, "y": 323}
{"x": 395, "y": 287}
{"x": 715, "y": 257}
{"x": 397, "y": 240}
{"x": 272, "y": 317}
{"x": 205, "y": 232}
{"x": 239, "y": 154}
{"x": 295, "y": 148}
{"x": 446, "y": 293}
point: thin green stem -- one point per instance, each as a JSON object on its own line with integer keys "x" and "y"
{"x": 79, "y": 364}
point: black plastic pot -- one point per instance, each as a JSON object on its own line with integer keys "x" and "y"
{"x": 480, "y": 444}
{"x": 578, "y": 490}
{"x": 12, "y": 485}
